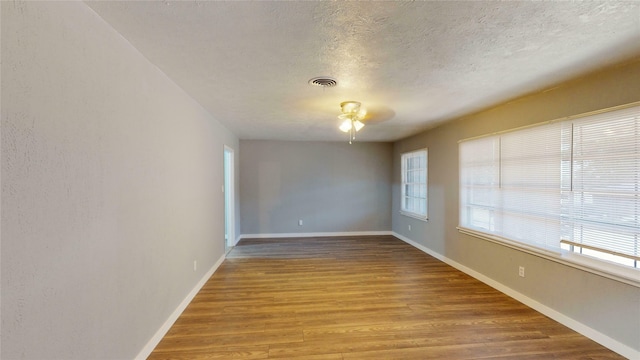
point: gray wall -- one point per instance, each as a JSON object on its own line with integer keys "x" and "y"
{"x": 111, "y": 188}
{"x": 605, "y": 305}
{"x": 331, "y": 186}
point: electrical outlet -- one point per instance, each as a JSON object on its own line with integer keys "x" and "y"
{"x": 521, "y": 271}
{"x": 195, "y": 265}
{"x": 409, "y": 227}
{"x": 300, "y": 222}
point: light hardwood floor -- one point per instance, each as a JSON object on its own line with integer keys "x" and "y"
{"x": 372, "y": 297}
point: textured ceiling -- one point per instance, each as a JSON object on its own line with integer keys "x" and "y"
{"x": 411, "y": 64}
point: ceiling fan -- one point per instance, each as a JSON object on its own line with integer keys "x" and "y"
{"x": 352, "y": 115}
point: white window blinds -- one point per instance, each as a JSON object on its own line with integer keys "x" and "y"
{"x": 480, "y": 184}
{"x": 530, "y": 185}
{"x": 601, "y": 205}
{"x": 573, "y": 185}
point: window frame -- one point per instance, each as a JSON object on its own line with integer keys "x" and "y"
{"x": 597, "y": 265}
{"x": 423, "y": 186}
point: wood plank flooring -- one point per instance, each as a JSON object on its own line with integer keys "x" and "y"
{"x": 372, "y": 297}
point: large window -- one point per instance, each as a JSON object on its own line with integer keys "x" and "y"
{"x": 569, "y": 186}
{"x": 414, "y": 184}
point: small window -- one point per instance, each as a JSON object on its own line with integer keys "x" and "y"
{"x": 414, "y": 184}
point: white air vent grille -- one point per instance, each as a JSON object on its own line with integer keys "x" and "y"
{"x": 323, "y": 81}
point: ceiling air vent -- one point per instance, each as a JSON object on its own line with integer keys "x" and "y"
{"x": 323, "y": 81}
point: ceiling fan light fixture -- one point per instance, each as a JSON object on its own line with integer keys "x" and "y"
{"x": 352, "y": 114}
{"x": 350, "y": 107}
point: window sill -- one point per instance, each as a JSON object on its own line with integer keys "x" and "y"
{"x": 415, "y": 216}
{"x": 629, "y": 276}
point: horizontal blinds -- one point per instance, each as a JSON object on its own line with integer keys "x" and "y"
{"x": 576, "y": 180}
{"x": 479, "y": 183}
{"x": 602, "y": 208}
{"x": 530, "y": 185}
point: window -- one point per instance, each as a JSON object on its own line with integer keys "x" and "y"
{"x": 414, "y": 184}
{"x": 571, "y": 186}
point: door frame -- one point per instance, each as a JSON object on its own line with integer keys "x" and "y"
{"x": 228, "y": 188}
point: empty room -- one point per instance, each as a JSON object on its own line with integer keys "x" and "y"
{"x": 320, "y": 180}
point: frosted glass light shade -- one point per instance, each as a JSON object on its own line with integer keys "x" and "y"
{"x": 345, "y": 126}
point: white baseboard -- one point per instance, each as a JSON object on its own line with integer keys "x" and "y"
{"x": 318, "y": 234}
{"x": 155, "y": 340}
{"x": 577, "y": 326}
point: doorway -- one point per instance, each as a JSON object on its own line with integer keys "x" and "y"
{"x": 228, "y": 189}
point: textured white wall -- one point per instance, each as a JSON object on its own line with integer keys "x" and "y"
{"x": 111, "y": 188}
{"x": 608, "y": 306}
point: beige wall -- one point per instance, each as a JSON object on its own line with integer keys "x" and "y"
{"x": 609, "y": 307}
{"x": 111, "y": 179}
{"x": 333, "y": 187}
